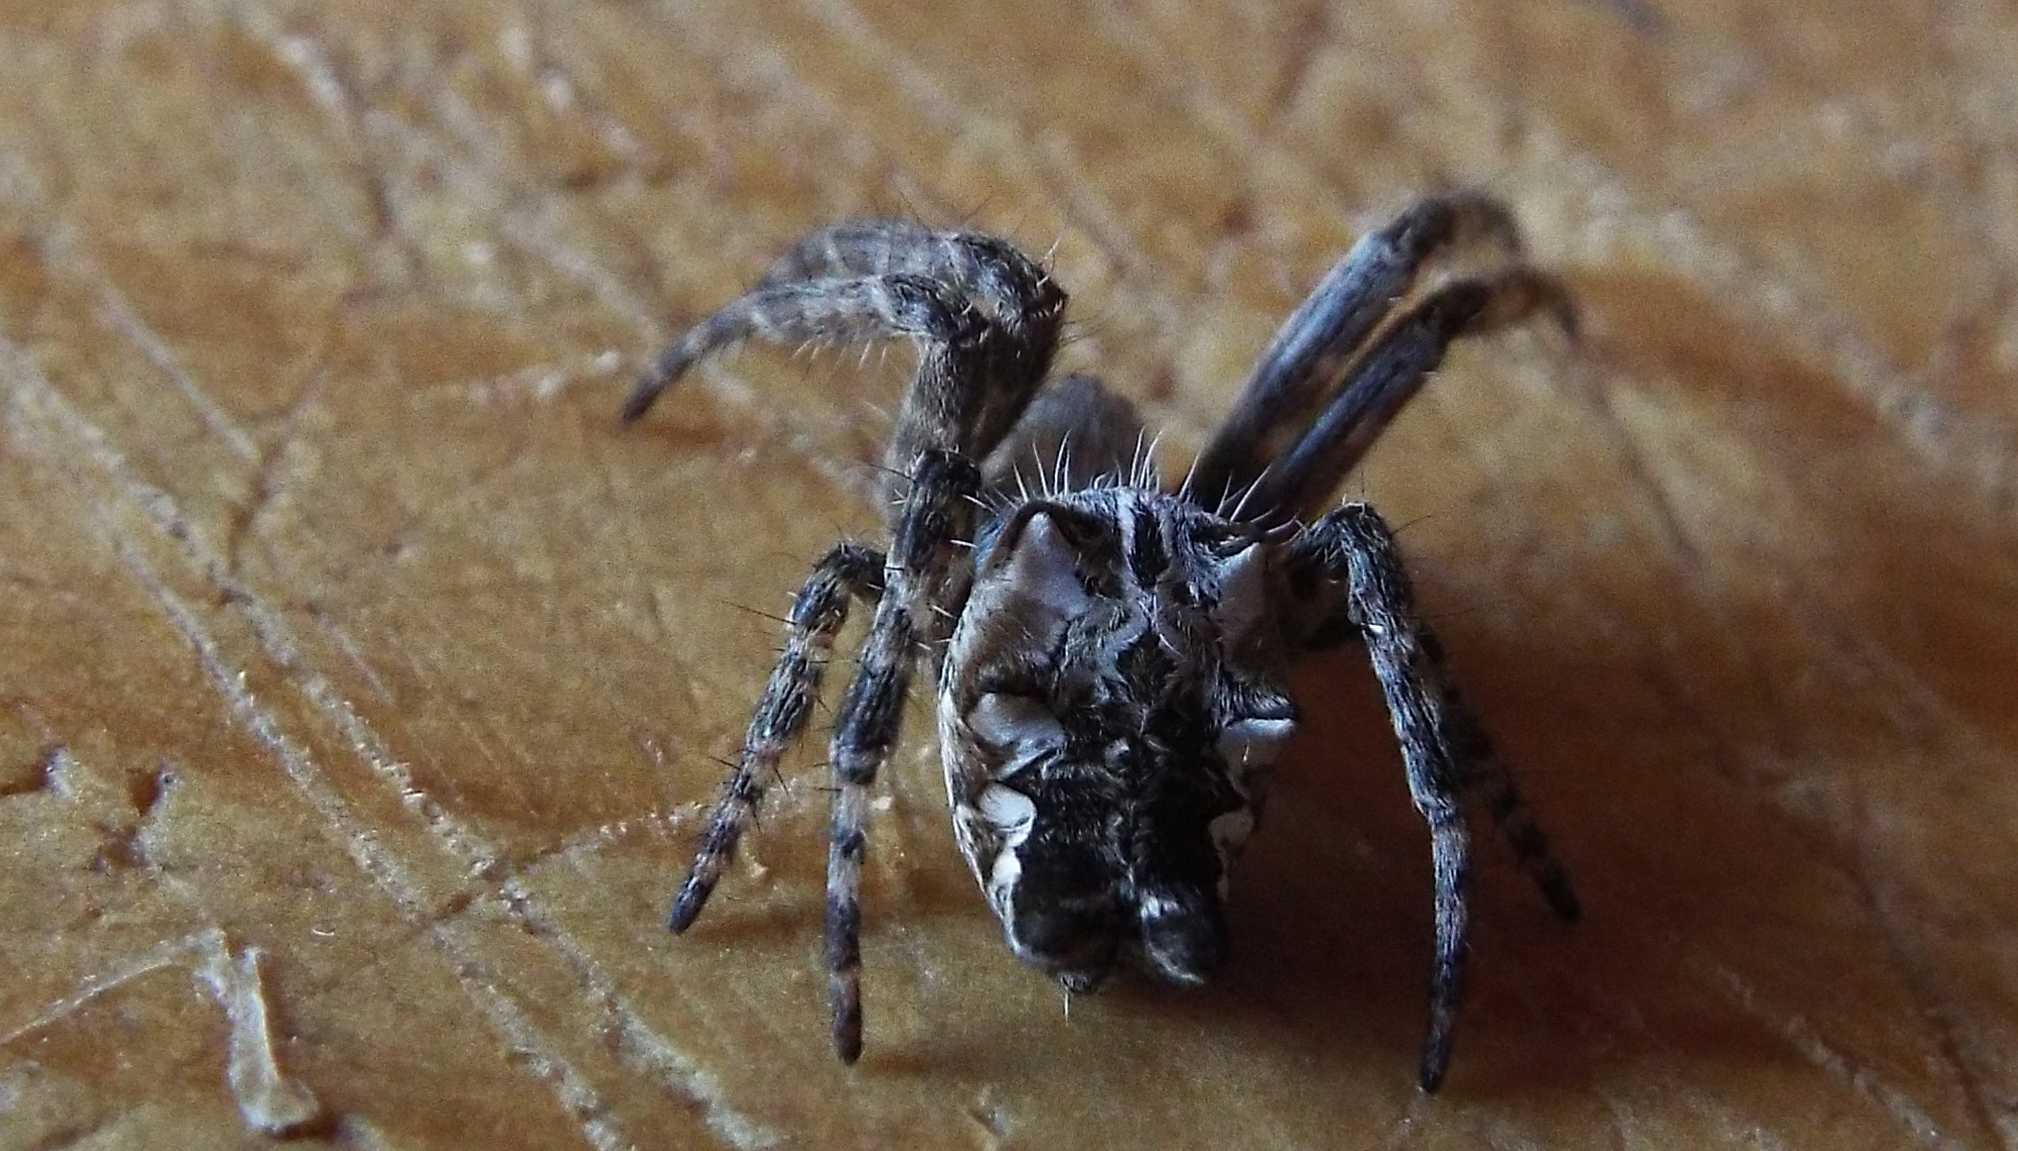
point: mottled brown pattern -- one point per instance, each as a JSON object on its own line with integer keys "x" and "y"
{"x": 313, "y": 321}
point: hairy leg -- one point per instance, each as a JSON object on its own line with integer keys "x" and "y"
{"x": 937, "y": 511}
{"x": 1354, "y": 548}
{"x": 987, "y": 317}
{"x": 1485, "y": 777}
{"x": 1312, "y": 348}
{"x": 872, "y": 247}
{"x": 1444, "y": 748}
{"x": 1391, "y": 372}
{"x": 1016, "y": 290}
{"x": 817, "y": 615}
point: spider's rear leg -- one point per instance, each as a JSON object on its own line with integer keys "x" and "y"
{"x": 990, "y": 317}
{"x": 937, "y": 511}
{"x": 1442, "y": 746}
{"x": 1393, "y": 370}
{"x": 1311, "y": 349}
{"x": 1485, "y": 777}
{"x": 818, "y": 612}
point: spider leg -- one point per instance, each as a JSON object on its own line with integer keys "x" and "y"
{"x": 1392, "y": 371}
{"x": 987, "y": 317}
{"x": 1311, "y": 349}
{"x": 817, "y": 615}
{"x": 1486, "y": 777}
{"x": 1017, "y": 291}
{"x": 949, "y": 328}
{"x": 851, "y": 248}
{"x": 937, "y": 511}
{"x": 1356, "y": 549}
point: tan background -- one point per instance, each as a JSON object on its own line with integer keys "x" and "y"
{"x": 359, "y": 678}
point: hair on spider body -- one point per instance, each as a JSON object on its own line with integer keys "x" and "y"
{"x": 1110, "y": 655}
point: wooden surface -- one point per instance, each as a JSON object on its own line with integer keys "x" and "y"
{"x": 360, "y": 679}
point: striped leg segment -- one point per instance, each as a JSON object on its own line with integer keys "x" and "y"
{"x": 1380, "y": 602}
{"x": 951, "y": 330}
{"x": 817, "y": 615}
{"x": 1485, "y": 777}
{"x": 938, "y": 510}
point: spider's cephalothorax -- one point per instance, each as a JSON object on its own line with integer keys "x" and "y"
{"x": 1111, "y": 655}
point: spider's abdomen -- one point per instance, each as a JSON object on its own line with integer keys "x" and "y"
{"x": 1109, "y": 696}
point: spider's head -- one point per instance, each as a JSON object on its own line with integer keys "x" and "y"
{"x": 1104, "y": 713}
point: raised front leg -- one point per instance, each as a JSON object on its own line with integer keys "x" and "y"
{"x": 1392, "y": 371}
{"x": 986, "y": 317}
{"x": 1311, "y": 350}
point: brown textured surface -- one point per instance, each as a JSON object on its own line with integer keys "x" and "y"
{"x": 355, "y": 667}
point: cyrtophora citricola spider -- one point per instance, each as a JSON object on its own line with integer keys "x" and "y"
{"x": 1109, "y": 653}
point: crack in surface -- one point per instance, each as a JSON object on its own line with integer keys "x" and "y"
{"x": 1800, "y": 1035}
{"x": 50, "y": 772}
{"x": 363, "y": 844}
{"x": 59, "y": 249}
{"x": 269, "y": 1100}
{"x": 1952, "y": 1039}
{"x": 267, "y": 479}
{"x": 1058, "y": 166}
{"x": 342, "y": 105}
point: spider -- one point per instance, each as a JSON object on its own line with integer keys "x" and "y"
{"x": 1110, "y": 654}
